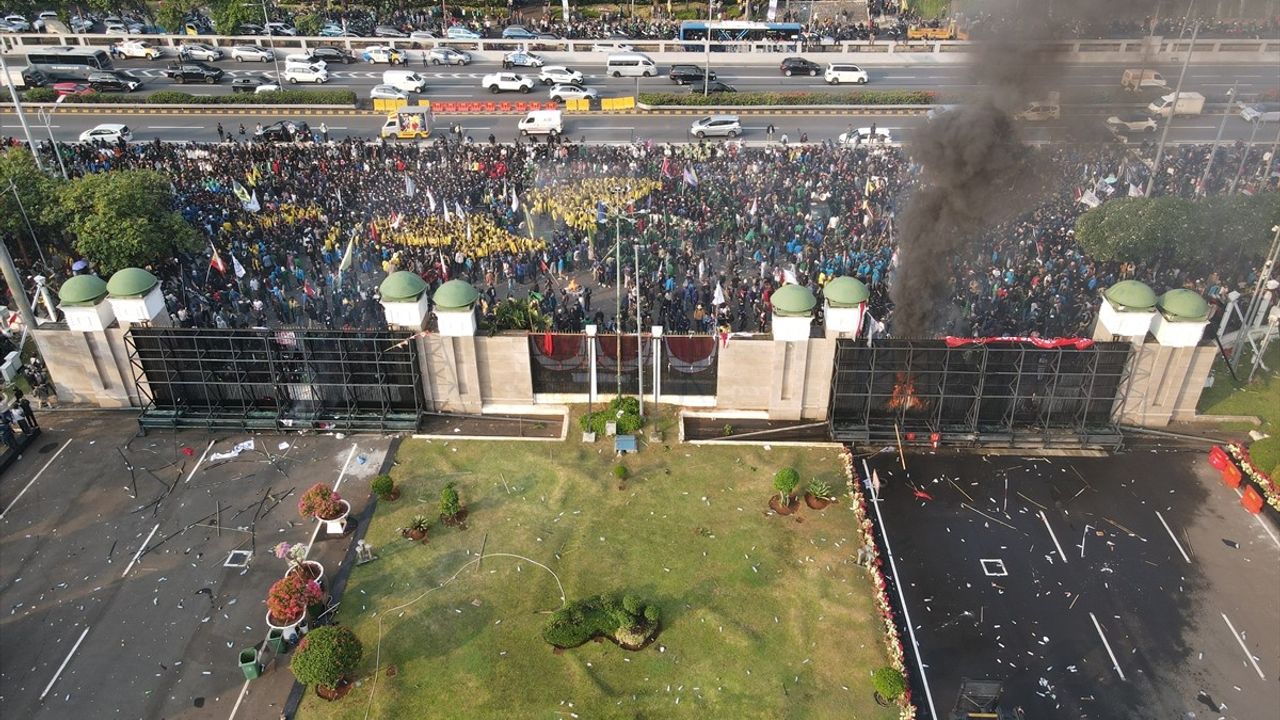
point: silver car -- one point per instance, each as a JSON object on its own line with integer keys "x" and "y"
{"x": 251, "y": 53}
{"x": 387, "y": 92}
{"x": 1261, "y": 112}
{"x": 199, "y": 51}
{"x": 716, "y": 126}
{"x": 573, "y": 92}
{"x": 448, "y": 56}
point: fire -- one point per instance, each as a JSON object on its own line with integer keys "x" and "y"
{"x": 904, "y": 394}
{"x": 572, "y": 286}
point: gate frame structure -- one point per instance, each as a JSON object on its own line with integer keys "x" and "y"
{"x": 856, "y": 413}
{"x": 365, "y": 406}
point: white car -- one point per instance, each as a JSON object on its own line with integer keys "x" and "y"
{"x": 42, "y": 20}
{"x": 1132, "y": 122}
{"x": 864, "y": 135}
{"x": 559, "y": 75}
{"x": 252, "y": 53}
{"x": 448, "y": 56}
{"x": 380, "y": 54}
{"x": 612, "y": 47}
{"x": 422, "y": 35}
{"x": 138, "y": 49}
{"x": 519, "y": 58}
{"x": 502, "y": 82}
{"x": 199, "y": 51}
{"x": 387, "y": 92}
{"x": 279, "y": 28}
{"x": 573, "y": 92}
{"x": 107, "y": 133}
{"x": 305, "y": 59}
{"x": 18, "y": 23}
{"x": 306, "y": 73}
{"x": 716, "y": 125}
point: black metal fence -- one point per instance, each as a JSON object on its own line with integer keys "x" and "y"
{"x": 991, "y": 394}
{"x": 561, "y": 363}
{"x": 690, "y": 364}
{"x": 276, "y": 379}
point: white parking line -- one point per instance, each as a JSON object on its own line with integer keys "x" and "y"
{"x": 34, "y": 479}
{"x": 198, "y": 462}
{"x": 1114, "y": 663}
{"x": 63, "y": 666}
{"x": 1055, "y": 538}
{"x": 141, "y": 547}
{"x": 1173, "y": 537}
{"x": 1243, "y": 647}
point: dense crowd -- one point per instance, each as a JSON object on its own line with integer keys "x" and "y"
{"x": 718, "y": 228}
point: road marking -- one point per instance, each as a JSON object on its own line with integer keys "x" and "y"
{"x": 141, "y": 547}
{"x": 1055, "y": 538}
{"x": 1114, "y": 663}
{"x": 1243, "y": 647}
{"x": 34, "y": 479}
{"x": 198, "y": 462}
{"x": 1172, "y": 537}
{"x": 1262, "y": 522}
{"x": 320, "y": 523}
{"x": 37, "y": 126}
{"x": 173, "y": 127}
{"x": 63, "y": 666}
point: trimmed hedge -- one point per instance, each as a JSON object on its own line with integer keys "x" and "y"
{"x": 625, "y": 411}
{"x": 601, "y": 615}
{"x": 175, "y": 97}
{"x": 856, "y": 97}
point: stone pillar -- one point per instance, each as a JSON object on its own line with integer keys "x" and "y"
{"x": 136, "y": 298}
{"x": 844, "y": 307}
{"x": 1126, "y": 313}
{"x": 87, "y": 361}
{"x": 404, "y": 301}
{"x": 792, "y": 321}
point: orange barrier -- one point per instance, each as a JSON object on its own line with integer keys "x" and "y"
{"x": 535, "y": 106}
{"x": 491, "y": 107}
{"x": 551, "y": 105}
{"x": 1218, "y": 458}
{"x": 520, "y": 107}
{"x": 1251, "y": 500}
{"x": 1231, "y": 476}
{"x": 506, "y": 107}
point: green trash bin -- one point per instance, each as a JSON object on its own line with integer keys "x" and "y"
{"x": 249, "y": 663}
{"x": 276, "y": 641}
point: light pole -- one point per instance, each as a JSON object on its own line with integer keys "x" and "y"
{"x": 706, "y": 71}
{"x": 271, "y": 41}
{"x": 1213, "y": 151}
{"x": 13, "y": 188}
{"x": 1173, "y": 109}
{"x": 1245, "y": 155}
{"x": 17, "y": 107}
{"x": 1251, "y": 316}
{"x": 47, "y": 119}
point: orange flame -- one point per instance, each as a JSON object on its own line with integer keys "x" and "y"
{"x": 904, "y": 394}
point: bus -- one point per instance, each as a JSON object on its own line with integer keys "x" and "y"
{"x": 69, "y": 62}
{"x": 741, "y": 31}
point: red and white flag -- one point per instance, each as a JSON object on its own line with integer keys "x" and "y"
{"x": 216, "y": 262}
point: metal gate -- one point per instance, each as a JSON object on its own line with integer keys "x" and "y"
{"x": 275, "y": 379}
{"x": 1013, "y": 394}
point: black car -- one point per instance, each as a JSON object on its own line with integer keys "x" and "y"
{"x": 387, "y": 31}
{"x": 284, "y": 131}
{"x": 332, "y": 55}
{"x": 190, "y": 71}
{"x": 715, "y": 86}
{"x": 32, "y": 77}
{"x": 685, "y": 74}
{"x": 250, "y": 29}
{"x": 251, "y": 84}
{"x": 114, "y": 81}
{"x": 800, "y": 66}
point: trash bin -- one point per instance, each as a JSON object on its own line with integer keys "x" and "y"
{"x": 276, "y": 641}
{"x": 249, "y": 663}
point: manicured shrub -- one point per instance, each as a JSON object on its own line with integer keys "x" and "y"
{"x": 652, "y": 614}
{"x": 419, "y": 523}
{"x": 620, "y": 472}
{"x": 326, "y": 655}
{"x": 785, "y": 482}
{"x": 889, "y": 683}
{"x": 38, "y": 95}
{"x": 633, "y": 605}
{"x": 320, "y": 501}
{"x": 624, "y": 411}
{"x": 450, "y": 503}
{"x": 382, "y": 486}
{"x": 290, "y": 596}
{"x": 601, "y": 615}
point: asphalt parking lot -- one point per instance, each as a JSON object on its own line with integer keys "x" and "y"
{"x": 1132, "y": 586}
{"x": 115, "y": 595}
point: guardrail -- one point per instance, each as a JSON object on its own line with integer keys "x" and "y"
{"x": 1135, "y": 47}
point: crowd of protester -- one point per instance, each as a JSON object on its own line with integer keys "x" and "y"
{"x": 718, "y": 227}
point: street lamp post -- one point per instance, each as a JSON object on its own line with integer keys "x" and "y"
{"x": 17, "y": 107}
{"x": 1213, "y": 150}
{"x": 1177, "y": 94}
{"x": 271, "y": 41}
{"x": 1245, "y": 155}
{"x": 47, "y": 119}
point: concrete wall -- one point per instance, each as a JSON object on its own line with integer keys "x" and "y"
{"x": 743, "y": 365}
{"x": 88, "y": 368}
{"x": 504, "y": 371}
{"x": 1164, "y": 384}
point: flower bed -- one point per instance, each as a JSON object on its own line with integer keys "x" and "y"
{"x": 1264, "y": 482}
{"x": 866, "y": 533}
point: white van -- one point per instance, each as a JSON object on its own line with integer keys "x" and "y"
{"x": 838, "y": 73}
{"x": 306, "y": 73}
{"x": 304, "y": 59}
{"x": 542, "y": 122}
{"x": 630, "y": 65}
{"x": 406, "y": 80}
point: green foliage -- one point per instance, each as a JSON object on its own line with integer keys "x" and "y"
{"x": 39, "y": 95}
{"x": 625, "y": 411}
{"x": 599, "y": 615}
{"x": 39, "y": 194}
{"x": 124, "y": 219}
{"x": 513, "y": 314}
{"x": 620, "y": 472}
{"x": 308, "y": 25}
{"x": 785, "y": 482}
{"x": 727, "y": 430}
{"x": 450, "y": 504}
{"x": 1265, "y": 454}
{"x": 382, "y": 486}
{"x": 889, "y": 683}
{"x": 326, "y": 655}
{"x": 854, "y": 97}
{"x": 279, "y": 97}
{"x": 820, "y": 488}
{"x": 419, "y": 523}
{"x": 227, "y": 15}
{"x": 172, "y": 13}
{"x": 1197, "y": 234}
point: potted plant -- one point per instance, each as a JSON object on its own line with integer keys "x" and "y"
{"x": 620, "y": 473}
{"x": 888, "y": 685}
{"x": 417, "y": 529}
{"x": 451, "y": 510}
{"x": 785, "y": 482}
{"x": 323, "y": 503}
{"x": 288, "y": 599}
{"x": 385, "y": 488}
{"x": 296, "y": 555}
{"x": 818, "y": 495}
{"x": 325, "y": 658}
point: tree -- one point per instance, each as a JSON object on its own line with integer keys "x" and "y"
{"x": 172, "y": 14}
{"x": 124, "y": 219}
{"x": 450, "y": 504}
{"x": 227, "y": 15}
{"x": 785, "y": 482}
{"x": 38, "y": 193}
{"x": 326, "y": 655}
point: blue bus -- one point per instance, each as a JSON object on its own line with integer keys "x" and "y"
{"x": 740, "y": 31}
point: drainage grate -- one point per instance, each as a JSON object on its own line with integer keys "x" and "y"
{"x": 238, "y": 559}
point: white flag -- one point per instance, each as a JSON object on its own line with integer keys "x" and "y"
{"x": 253, "y": 205}
{"x": 755, "y": 203}
{"x": 239, "y": 269}
{"x": 1090, "y": 199}
{"x": 789, "y": 277}
{"x": 431, "y": 199}
{"x": 1135, "y": 191}
{"x": 446, "y": 213}
{"x": 719, "y": 297}
{"x": 410, "y": 187}
{"x": 457, "y": 205}
{"x": 515, "y": 201}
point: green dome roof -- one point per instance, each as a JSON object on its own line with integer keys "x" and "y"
{"x": 402, "y": 285}
{"x": 131, "y": 282}
{"x": 1131, "y": 296}
{"x": 793, "y": 300}
{"x": 845, "y": 292}
{"x": 82, "y": 290}
{"x": 1183, "y": 305}
{"x": 455, "y": 295}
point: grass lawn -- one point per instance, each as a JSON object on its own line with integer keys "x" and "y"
{"x": 762, "y": 616}
{"x": 1260, "y": 398}
{"x": 930, "y": 8}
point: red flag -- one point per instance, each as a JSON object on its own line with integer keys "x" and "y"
{"x": 373, "y": 232}
{"x": 309, "y": 289}
{"x": 548, "y": 344}
{"x": 922, "y": 494}
{"x": 216, "y": 261}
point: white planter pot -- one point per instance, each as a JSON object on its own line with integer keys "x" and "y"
{"x": 315, "y": 566}
{"x": 291, "y": 627}
{"x": 337, "y": 525}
